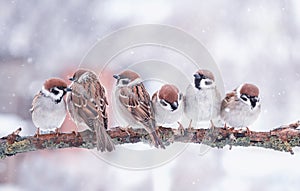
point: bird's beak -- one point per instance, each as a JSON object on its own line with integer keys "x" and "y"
{"x": 68, "y": 89}
{"x": 253, "y": 102}
{"x": 174, "y": 105}
{"x": 116, "y": 76}
{"x": 197, "y": 76}
{"x": 71, "y": 79}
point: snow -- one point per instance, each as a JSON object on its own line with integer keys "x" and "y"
{"x": 10, "y": 122}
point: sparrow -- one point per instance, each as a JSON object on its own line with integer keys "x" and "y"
{"x": 241, "y": 107}
{"x": 202, "y": 99}
{"x": 134, "y": 104}
{"x": 87, "y": 106}
{"x": 168, "y": 106}
{"x": 48, "y": 109}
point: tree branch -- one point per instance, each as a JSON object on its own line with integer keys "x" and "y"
{"x": 283, "y": 138}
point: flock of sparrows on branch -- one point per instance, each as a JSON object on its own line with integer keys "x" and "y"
{"x": 87, "y": 104}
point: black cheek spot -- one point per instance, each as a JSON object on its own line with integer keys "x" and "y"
{"x": 208, "y": 83}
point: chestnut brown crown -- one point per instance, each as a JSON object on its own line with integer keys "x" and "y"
{"x": 131, "y": 75}
{"x": 169, "y": 93}
{"x": 250, "y": 89}
{"x": 55, "y": 82}
{"x": 206, "y": 73}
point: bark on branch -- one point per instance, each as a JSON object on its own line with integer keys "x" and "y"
{"x": 283, "y": 138}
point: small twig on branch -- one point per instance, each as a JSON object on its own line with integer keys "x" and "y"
{"x": 283, "y": 138}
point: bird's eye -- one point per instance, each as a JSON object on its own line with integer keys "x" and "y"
{"x": 180, "y": 96}
{"x": 163, "y": 102}
{"x": 125, "y": 81}
{"x": 244, "y": 97}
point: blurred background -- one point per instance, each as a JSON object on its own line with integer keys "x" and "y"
{"x": 250, "y": 41}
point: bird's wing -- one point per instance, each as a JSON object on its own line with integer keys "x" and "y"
{"x": 79, "y": 103}
{"x": 230, "y": 97}
{"x": 96, "y": 95}
{"x": 154, "y": 97}
{"x": 137, "y": 101}
{"x": 101, "y": 103}
{"x": 36, "y": 97}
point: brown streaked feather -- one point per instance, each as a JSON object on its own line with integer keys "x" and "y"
{"x": 87, "y": 103}
{"x": 137, "y": 101}
{"x": 140, "y": 108}
{"x": 97, "y": 97}
{"x": 33, "y": 101}
{"x": 154, "y": 97}
{"x": 79, "y": 73}
{"x": 230, "y": 97}
{"x": 89, "y": 97}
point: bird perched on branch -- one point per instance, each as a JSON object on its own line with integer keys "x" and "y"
{"x": 87, "y": 106}
{"x": 241, "y": 107}
{"x": 202, "y": 98}
{"x": 168, "y": 106}
{"x": 134, "y": 104}
{"x": 48, "y": 106}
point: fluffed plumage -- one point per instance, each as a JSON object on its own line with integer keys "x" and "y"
{"x": 87, "y": 106}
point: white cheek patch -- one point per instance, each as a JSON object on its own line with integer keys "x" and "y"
{"x": 204, "y": 82}
{"x": 247, "y": 102}
{"x": 167, "y": 107}
{"x": 45, "y": 92}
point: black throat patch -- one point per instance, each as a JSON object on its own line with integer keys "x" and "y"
{"x": 197, "y": 83}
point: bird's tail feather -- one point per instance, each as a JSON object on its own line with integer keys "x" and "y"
{"x": 156, "y": 140}
{"x": 104, "y": 142}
